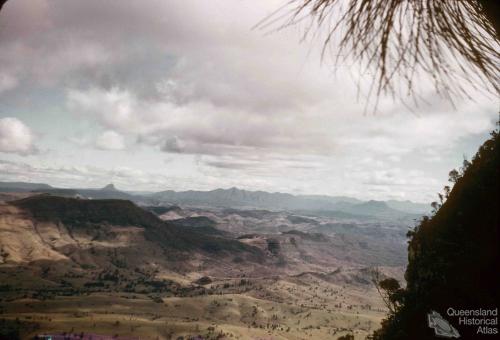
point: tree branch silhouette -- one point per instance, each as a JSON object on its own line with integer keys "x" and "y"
{"x": 2, "y": 2}
{"x": 454, "y": 43}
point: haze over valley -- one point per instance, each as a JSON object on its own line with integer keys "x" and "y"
{"x": 217, "y": 261}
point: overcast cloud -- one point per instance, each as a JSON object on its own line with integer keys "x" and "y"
{"x": 162, "y": 94}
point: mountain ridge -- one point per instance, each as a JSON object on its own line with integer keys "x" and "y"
{"x": 238, "y": 198}
{"x": 77, "y": 214}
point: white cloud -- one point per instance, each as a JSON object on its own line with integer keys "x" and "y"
{"x": 15, "y": 137}
{"x": 110, "y": 140}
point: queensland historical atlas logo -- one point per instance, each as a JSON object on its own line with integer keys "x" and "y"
{"x": 442, "y": 328}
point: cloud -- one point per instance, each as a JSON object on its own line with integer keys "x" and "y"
{"x": 7, "y": 82}
{"x": 124, "y": 177}
{"x": 203, "y": 128}
{"x": 16, "y": 137}
{"x": 228, "y": 105}
{"x": 110, "y": 140}
{"x": 198, "y": 127}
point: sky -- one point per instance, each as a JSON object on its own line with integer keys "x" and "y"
{"x": 187, "y": 95}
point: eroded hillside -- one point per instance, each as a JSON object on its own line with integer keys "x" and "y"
{"x": 214, "y": 272}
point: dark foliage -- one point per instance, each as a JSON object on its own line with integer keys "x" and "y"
{"x": 205, "y": 280}
{"x": 9, "y": 330}
{"x": 453, "y": 255}
{"x": 273, "y": 245}
{"x": 160, "y": 210}
{"x": 16, "y": 329}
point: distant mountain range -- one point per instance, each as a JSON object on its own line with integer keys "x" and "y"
{"x": 23, "y": 186}
{"x": 241, "y": 199}
{"x": 237, "y": 198}
{"x": 108, "y": 192}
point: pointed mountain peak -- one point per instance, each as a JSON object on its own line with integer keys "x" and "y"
{"x": 109, "y": 187}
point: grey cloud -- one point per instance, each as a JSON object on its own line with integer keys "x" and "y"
{"x": 7, "y": 82}
{"x": 229, "y": 165}
{"x": 199, "y": 127}
{"x": 256, "y": 165}
{"x": 171, "y": 145}
{"x": 265, "y": 164}
{"x": 191, "y": 79}
{"x": 139, "y": 46}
